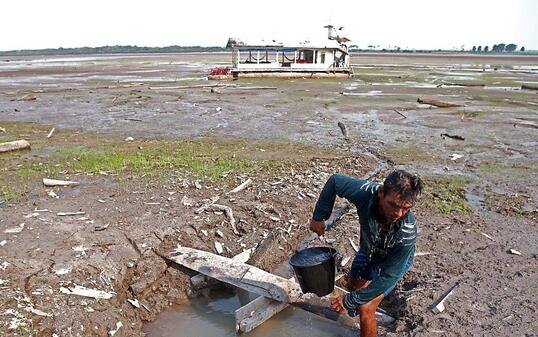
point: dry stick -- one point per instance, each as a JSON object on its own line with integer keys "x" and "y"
{"x": 242, "y": 186}
{"x": 401, "y": 114}
{"x": 256, "y": 88}
{"x": 229, "y": 215}
{"x": 439, "y": 306}
{"x": 342, "y": 127}
{"x": 50, "y": 133}
{"x": 440, "y": 104}
{"x": 14, "y": 146}
{"x": 207, "y": 205}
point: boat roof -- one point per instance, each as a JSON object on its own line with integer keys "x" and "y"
{"x": 272, "y": 44}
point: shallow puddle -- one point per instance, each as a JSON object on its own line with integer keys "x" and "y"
{"x": 214, "y": 317}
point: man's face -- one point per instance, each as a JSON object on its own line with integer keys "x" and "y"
{"x": 392, "y": 206}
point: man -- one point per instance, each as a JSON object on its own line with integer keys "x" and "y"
{"x": 387, "y": 238}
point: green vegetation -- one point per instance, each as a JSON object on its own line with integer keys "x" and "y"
{"x": 410, "y": 154}
{"x": 71, "y": 154}
{"x": 446, "y": 195}
{"x": 110, "y": 50}
{"x": 506, "y": 170}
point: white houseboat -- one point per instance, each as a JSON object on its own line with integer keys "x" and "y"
{"x": 329, "y": 58}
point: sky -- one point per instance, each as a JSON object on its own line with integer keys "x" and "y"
{"x": 413, "y": 24}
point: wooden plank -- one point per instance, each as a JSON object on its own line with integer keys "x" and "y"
{"x": 253, "y": 314}
{"x": 236, "y": 273}
{"x": 259, "y": 282}
{"x": 199, "y": 281}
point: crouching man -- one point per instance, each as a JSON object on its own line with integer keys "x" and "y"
{"x": 387, "y": 238}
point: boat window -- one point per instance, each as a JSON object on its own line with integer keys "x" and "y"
{"x": 306, "y": 56}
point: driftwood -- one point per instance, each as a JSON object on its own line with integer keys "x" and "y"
{"x": 399, "y": 113}
{"x": 207, "y": 205}
{"x": 452, "y": 136}
{"x": 464, "y": 84}
{"x": 440, "y": 104}
{"x": 256, "y": 88}
{"x": 342, "y": 127}
{"x": 50, "y": 133}
{"x": 54, "y": 182}
{"x": 241, "y": 186}
{"x": 14, "y": 146}
{"x": 229, "y": 215}
{"x": 193, "y": 86}
{"x": 26, "y": 98}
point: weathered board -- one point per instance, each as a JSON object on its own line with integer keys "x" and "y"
{"x": 237, "y": 273}
{"x": 262, "y": 283}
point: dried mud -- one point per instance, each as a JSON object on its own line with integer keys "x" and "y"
{"x": 475, "y": 210}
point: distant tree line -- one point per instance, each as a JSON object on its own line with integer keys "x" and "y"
{"x": 497, "y": 48}
{"x": 110, "y": 50}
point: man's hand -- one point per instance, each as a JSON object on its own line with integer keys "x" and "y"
{"x": 338, "y": 304}
{"x": 317, "y": 227}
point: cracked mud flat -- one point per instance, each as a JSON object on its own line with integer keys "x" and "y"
{"x": 98, "y": 100}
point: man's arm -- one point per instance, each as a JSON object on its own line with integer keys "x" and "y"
{"x": 391, "y": 271}
{"x": 344, "y": 187}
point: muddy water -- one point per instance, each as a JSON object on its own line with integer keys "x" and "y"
{"x": 214, "y": 317}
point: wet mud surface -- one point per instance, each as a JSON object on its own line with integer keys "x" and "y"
{"x": 476, "y": 207}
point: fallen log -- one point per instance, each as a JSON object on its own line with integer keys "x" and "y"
{"x": 14, "y": 146}
{"x": 440, "y": 104}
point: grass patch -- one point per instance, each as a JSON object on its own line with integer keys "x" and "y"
{"x": 506, "y": 170}
{"x": 72, "y": 153}
{"x": 446, "y": 195}
{"x": 409, "y": 154}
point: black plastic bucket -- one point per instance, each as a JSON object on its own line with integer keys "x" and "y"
{"x": 315, "y": 269}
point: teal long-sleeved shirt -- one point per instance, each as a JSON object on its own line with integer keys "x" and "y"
{"x": 393, "y": 248}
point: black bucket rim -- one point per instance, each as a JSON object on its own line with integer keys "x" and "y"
{"x": 330, "y": 250}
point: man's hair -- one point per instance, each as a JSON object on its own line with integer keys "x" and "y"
{"x": 408, "y": 186}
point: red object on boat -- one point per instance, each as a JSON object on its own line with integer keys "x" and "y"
{"x": 220, "y": 71}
